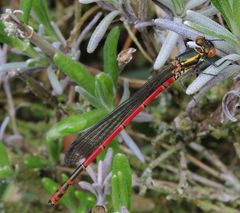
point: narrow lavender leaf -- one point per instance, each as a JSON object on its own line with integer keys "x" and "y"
{"x": 107, "y": 163}
{"x": 3, "y": 54}
{"x": 16, "y": 66}
{"x": 100, "y": 173}
{"x": 57, "y": 88}
{"x": 126, "y": 91}
{"x": 181, "y": 45}
{"x": 100, "y": 193}
{"x": 106, "y": 185}
{"x": 166, "y": 50}
{"x": 179, "y": 28}
{"x": 100, "y": 31}
{"x": 86, "y": 30}
{"x": 13, "y": 139}
{"x": 231, "y": 70}
{"x": 107, "y": 178}
{"x": 87, "y": 1}
{"x": 124, "y": 209}
{"x": 41, "y": 30}
{"x": 87, "y": 186}
{"x": 89, "y": 97}
{"x": 109, "y": 5}
{"x": 144, "y": 24}
{"x": 132, "y": 146}
{"x": 59, "y": 33}
{"x": 91, "y": 173}
{"x": 127, "y": 9}
{"x": 194, "y": 3}
{"x": 3, "y": 127}
{"x": 208, "y": 11}
{"x": 98, "y": 188}
{"x": 143, "y": 117}
{"x": 210, "y": 72}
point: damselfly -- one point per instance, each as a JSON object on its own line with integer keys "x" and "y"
{"x": 91, "y": 142}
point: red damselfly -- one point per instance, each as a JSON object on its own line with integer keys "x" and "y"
{"x": 91, "y": 142}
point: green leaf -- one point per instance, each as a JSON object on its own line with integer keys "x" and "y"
{"x": 178, "y": 6}
{"x": 41, "y": 10}
{"x": 116, "y": 202}
{"x": 225, "y": 9}
{"x": 87, "y": 200}
{"x": 75, "y": 123}
{"x": 104, "y": 90}
{"x": 4, "y": 38}
{"x": 230, "y": 11}
{"x": 5, "y": 165}
{"x": 22, "y": 46}
{"x": 49, "y": 185}
{"x": 76, "y": 71}
{"x": 124, "y": 194}
{"x": 35, "y": 162}
{"x": 121, "y": 164}
{"x": 230, "y": 18}
{"x": 110, "y": 54}
{"x": 89, "y": 97}
{"x": 25, "y": 6}
{"x": 4, "y": 189}
{"x": 4, "y": 159}
{"x": 54, "y": 150}
{"x": 67, "y": 200}
{"x": 6, "y": 172}
{"x": 236, "y": 14}
{"x": 218, "y": 5}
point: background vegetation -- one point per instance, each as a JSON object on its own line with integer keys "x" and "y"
{"x": 62, "y": 70}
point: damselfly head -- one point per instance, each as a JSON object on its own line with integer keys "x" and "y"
{"x": 205, "y": 46}
{"x": 211, "y": 52}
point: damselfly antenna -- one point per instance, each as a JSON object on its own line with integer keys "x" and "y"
{"x": 217, "y": 39}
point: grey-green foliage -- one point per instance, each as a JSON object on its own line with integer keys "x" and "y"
{"x": 121, "y": 182}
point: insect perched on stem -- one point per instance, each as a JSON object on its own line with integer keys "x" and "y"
{"x": 91, "y": 142}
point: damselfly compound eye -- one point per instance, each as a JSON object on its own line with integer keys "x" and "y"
{"x": 200, "y": 40}
{"x": 212, "y": 52}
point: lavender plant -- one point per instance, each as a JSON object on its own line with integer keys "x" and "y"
{"x": 100, "y": 184}
{"x": 163, "y": 26}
